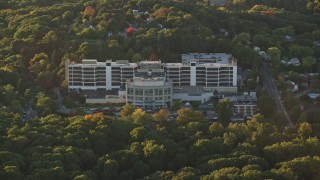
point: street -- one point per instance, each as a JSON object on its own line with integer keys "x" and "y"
{"x": 61, "y": 108}
{"x": 272, "y": 90}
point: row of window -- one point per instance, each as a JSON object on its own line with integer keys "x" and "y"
{"x": 149, "y": 99}
{"x": 149, "y": 92}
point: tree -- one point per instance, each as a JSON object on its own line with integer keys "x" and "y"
{"x": 177, "y": 105}
{"x": 154, "y": 153}
{"x": 161, "y": 116}
{"x": 45, "y": 104}
{"x": 275, "y": 56}
{"x": 139, "y": 116}
{"x": 127, "y": 110}
{"x": 307, "y": 63}
{"x": 302, "y": 167}
{"x": 186, "y": 173}
{"x": 242, "y": 38}
{"x": 138, "y": 133}
{"x": 224, "y": 173}
{"x": 267, "y": 105}
{"x": 300, "y": 51}
{"x": 305, "y": 130}
{"x": 136, "y": 58}
{"x": 315, "y": 84}
{"x": 186, "y": 115}
{"x": 224, "y": 111}
{"x": 216, "y": 129}
{"x": 89, "y": 11}
{"x": 280, "y": 119}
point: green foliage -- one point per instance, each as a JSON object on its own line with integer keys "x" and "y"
{"x": 186, "y": 115}
{"x": 266, "y": 105}
{"x": 224, "y": 111}
{"x": 37, "y": 36}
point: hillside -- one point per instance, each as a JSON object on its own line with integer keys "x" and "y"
{"x": 38, "y": 36}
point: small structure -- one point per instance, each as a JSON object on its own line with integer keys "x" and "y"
{"x": 245, "y": 105}
{"x": 264, "y": 55}
{"x": 313, "y": 96}
{"x": 192, "y": 94}
{"x": 289, "y": 38}
{"x": 294, "y": 62}
{"x": 316, "y": 44}
{"x": 293, "y": 87}
{"x": 257, "y": 49}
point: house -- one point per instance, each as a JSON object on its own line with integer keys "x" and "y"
{"x": 289, "y": 38}
{"x": 294, "y": 62}
{"x": 316, "y": 44}
{"x": 313, "y": 96}
{"x": 293, "y": 87}
{"x": 257, "y": 49}
{"x": 264, "y": 55}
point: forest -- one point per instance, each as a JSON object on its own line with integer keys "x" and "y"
{"x": 38, "y": 36}
{"x": 139, "y": 146}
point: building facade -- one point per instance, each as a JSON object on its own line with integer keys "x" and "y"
{"x": 245, "y": 105}
{"x": 214, "y": 72}
{"x": 149, "y": 88}
{"x": 93, "y": 75}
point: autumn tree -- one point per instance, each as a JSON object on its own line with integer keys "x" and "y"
{"x": 186, "y": 115}
{"x": 224, "y": 111}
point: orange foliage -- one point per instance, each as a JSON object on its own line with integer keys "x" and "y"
{"x": 90, "y": 11}
{"x": 269, "y": 13}
{"x": 7, "y": 10}
{"x": 94, "y": 117}
{"x": 162, "y": 12}
{"x": 88, "y": 116}
{"x": 153, "y": 57}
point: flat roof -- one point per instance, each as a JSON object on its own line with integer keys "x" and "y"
{"x": 221, "y": 58}
{"x": 244, "y": 99}
{"x": 191, "y": 90}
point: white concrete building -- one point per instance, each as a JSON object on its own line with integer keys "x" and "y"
{"x": 215, "y": 72}
{"x": 149, "y": 87}
{"x": 191, "y": 94}
{"x": 198, "y": 72}
{"x": 93, "y": 75}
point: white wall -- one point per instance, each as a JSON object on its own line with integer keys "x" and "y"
{"x": 235, "y": 76}
{"x": 108, "y": 78}
{"x": 185, "y": 97}
{"x": 192, "y": 75}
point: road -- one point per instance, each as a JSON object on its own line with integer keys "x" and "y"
{"x": 28, "y": 113}
{"x": 272, "y": 90}
{"x": 61, "y": 108}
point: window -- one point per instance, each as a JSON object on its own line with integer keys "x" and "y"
{"x": 138, "y": 92}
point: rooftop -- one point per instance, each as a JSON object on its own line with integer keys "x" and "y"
{"x": 150, "y": 74}
{"x": 99, "y": 94}
{"x": 190, "y": 90}
{"x": 245, "y": 99}
{"x": 221, "y": 58}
